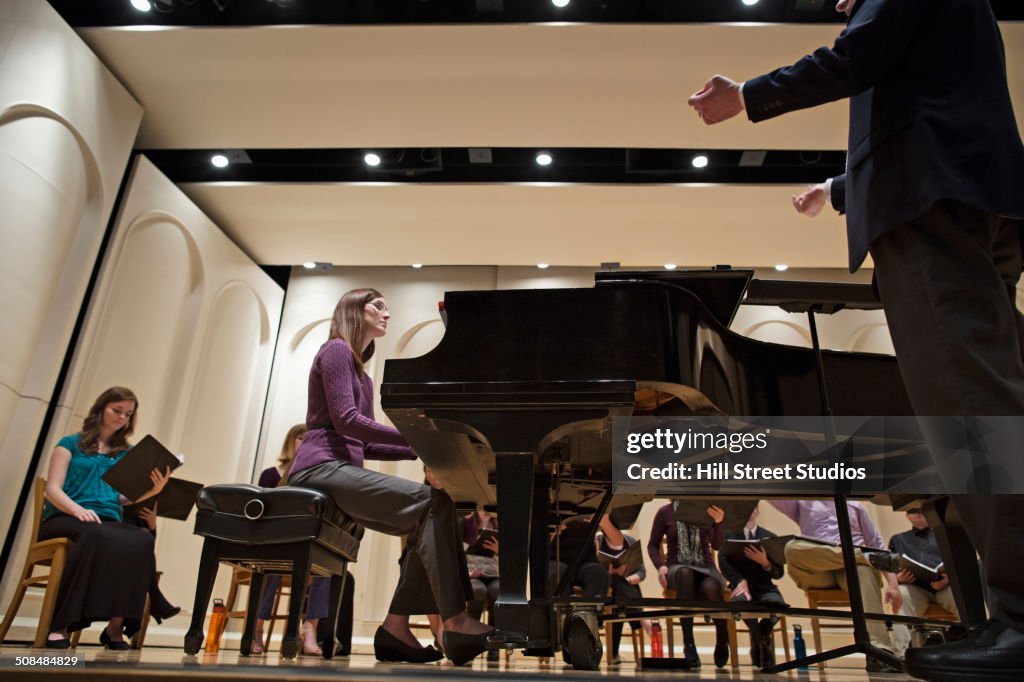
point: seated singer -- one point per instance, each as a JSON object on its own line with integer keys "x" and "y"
{"x": 750, "y": 577}
{"x": 342, "y": 433}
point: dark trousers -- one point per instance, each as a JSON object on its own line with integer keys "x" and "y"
{"x": 591, "y": 577}
{"x": 431, "y": 580}
{"x": 947, "y": 283}
{"x": 762, "y": 629}
{"x": 621, "y": 588}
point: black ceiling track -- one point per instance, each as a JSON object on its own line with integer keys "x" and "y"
{"x": 505, "y": 165}
{"x": 86, "y": 13}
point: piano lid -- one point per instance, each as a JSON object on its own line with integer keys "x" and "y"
{"x": 721, "y": 291}
{"x": 821, "y": 297}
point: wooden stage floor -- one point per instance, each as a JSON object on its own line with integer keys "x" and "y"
{"x": 160, "y": 663}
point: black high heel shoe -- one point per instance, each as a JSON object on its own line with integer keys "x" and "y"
{"x": 169, "y": 612}
{"x": 62, "y": 643}
{"x": 112, "y": 645}
{"x": 389, "y": 649}
{"x": 461, "y": 648}
{"x": 690, "y": 654}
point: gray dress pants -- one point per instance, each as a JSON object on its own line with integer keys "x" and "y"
{"x": 397, "y": 506}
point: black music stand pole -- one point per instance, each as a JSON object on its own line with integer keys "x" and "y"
{"x": 861, "y": 640}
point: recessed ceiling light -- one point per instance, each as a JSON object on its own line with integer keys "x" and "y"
{"x": 670, "y": 266}
{"x": 560, "y": 3}
{"x": 417, "y": 265}
{"x": 142, "y": 5}
{"x": 750, "y": 3}
{"x": 219, "y": 160}
{"x": 542, "y": 266}
{"x": 309, "y": 265}
{"x": 782, "y": 267}
{"x": 371, "y": 159}
{"x": 544, "y": 159}
{"x": 699, "y": 161}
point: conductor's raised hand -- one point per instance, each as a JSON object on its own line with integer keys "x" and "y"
{"x": 811, "y": 200}
{"x": 719, "y": 100}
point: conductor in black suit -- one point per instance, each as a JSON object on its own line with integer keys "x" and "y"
{"x": 750, "y": 577}
{"x": 934, "y": 191}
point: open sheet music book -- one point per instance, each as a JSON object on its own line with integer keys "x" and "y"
{"x": 921, "y": 571}
{"x": 477, "y": 548}
{"x": 130, "y": 476}
{"x": 631, "y": 557}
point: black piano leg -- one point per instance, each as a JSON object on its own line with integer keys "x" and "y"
{"x": 541, "y": 625}
{"x": 514, "y": 482}
{"x": 961, "y": 562}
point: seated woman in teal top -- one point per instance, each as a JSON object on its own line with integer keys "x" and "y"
{"x": 110, "y": 567}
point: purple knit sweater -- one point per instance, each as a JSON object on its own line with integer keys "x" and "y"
{"x": 339, "y": 417}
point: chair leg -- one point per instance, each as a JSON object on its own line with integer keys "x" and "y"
{"x": 785, "y": 637}
{"x": 204, "y": 588}
{"x": 816, "y": 630}
{"x": 12, "y": 608}
{"x": 333, "y": 606}
{"x": 75, "y": 636}
{"x": 50, "y": 598}
{"x": 734, "y": 648}
{"x": 671, "y": 651}
{"x": 139, "y": 638}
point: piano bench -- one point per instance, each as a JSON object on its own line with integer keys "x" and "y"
{"x": 290, "y": 531}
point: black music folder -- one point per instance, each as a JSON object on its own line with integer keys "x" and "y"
{"x": 775, "y": 548}
{"x": 477, "y": 548}
{"x": 130, "y": 476}
{"x": 921, "y": 571}
{"x": 175, "y": 500}
{"x": 694, "y": 512}
{"x": 631, "y": 557}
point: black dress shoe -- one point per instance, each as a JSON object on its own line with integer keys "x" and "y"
{"x": 112, "y": 645}
{"x": 995, "y": 652}
{"x": 721, "y": 653}
{"x": 62, "y": 643}
{"x": 690, "y": 654}
{"x": 876, "y": 666}
{"x": 389, "y": 649}
{"x": 462, "y": 648}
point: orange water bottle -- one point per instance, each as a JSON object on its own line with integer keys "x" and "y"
{"x": 218, "y": 619}
{"x": 656, "y": 647}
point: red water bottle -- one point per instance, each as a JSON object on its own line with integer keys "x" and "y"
{"x": 656, "y": 648}
{"x": 218, "y": 619}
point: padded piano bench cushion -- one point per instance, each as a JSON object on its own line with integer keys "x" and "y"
{"x": 251, "y": 515}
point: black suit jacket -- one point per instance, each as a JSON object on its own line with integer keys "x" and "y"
{"x": 930, "y": 112}
{"x": 735, "y": 570}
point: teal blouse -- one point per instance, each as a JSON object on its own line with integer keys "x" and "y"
{"x": 84, "y": 481}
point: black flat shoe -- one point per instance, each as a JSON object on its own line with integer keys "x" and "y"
{"x": 721, "y": 654}
{"x": 690, "y": 654}
{"x": 389, "y": 649}
{"x": 994, "y": 652}
{"x": 62, "y": 643}
{"x": 112, "y": 645}
{"x": 461, "y": 648}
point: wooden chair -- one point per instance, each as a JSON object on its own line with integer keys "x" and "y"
{"x": 242, "y": 577}
{"x": 51, "y": 554}
{"x": 825, "y": 598}
{"x": 936, "y": 612}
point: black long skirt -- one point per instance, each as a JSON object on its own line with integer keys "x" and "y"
{"x": 107, "y": 575}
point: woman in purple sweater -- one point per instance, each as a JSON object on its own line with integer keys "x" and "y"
{"x": 342, "y": 434}
{"x": 688, "y": 567}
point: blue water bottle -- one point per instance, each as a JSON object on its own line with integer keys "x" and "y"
{"x": 799, "y": 645}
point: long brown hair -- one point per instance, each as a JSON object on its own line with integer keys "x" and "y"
{"x": 289, "y": 447}
{"x": 89, "y": 436}
{"x": 347, "y": 322}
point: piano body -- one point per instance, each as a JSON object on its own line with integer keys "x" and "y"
{"x": 512, "y": 408}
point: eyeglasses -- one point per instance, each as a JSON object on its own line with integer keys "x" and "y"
{"x": 379, "y": 305}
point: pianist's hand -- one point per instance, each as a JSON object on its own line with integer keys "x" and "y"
{"x": 663, "y": 577}
{"x": 905, "y": 577}
{"x": 716, "y": 513}
{"x": 811, "y": 200}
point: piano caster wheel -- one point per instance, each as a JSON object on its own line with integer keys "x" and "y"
{"x": 192, "y": 644}
{"x": 289, "y": 648}
{"x": 582, "y": 650}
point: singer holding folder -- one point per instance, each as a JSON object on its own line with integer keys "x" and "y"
{"x": 111, "y": 565}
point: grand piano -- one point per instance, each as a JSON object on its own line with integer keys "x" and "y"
{"x": 512, "y": 408}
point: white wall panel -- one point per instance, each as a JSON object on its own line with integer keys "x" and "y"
{"x": 66, "y": 130}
